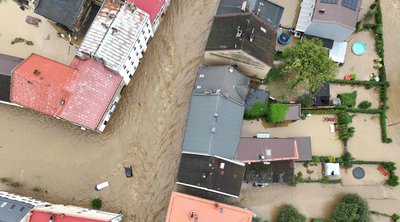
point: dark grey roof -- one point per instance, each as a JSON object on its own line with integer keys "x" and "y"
{"x": 274, "y": 172}
{"x": 205, "y": 172}
{"x": 267, "y": 11}
{"x": 65, "y": 12}
{"x": 294, "y": 112}
{"x": 327, "y": 43}
{"x": 322, "y": 97}
{"x": 224, "y": 31}
{"x": 13, "y": 210}
{"x": 254, "y": 96}
{"x": 223, "y": 79}
{"x": 7, "y": 64}
{"x": 213, "y": 126}
{"x": 304, "y": 148}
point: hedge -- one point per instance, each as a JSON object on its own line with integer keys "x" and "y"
{"x": 366, "y": 111}
{"x": 357, "y": 82}
{"x": 277, "y": 112}
{"x": 258, "y": 110}
{"x": 348, "y": 99}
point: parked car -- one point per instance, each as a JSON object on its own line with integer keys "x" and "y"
{"x": 128, "y": 171}
{"x": 259, "y": 184}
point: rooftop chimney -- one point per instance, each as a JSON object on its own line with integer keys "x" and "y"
{"x": 322, "y": 11}
{"x": 244, "y": 4}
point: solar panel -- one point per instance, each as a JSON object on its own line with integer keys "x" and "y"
{"x": 350, "y": 4}
{"x": 329, "y": 1}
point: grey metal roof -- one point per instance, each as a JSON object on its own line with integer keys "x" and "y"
{"x": 267, "y": 11}
{"x": 223, "y": 79}
{"x": 13, "y": 210}
{"x": 213, "y": 126}
{"x": 205, "y": 172}
{"x": 7, "y": 64}
{"x": 254, "y": 96}
{"x": 304, "y": 148}
{"x": 294, "y": 112}
{"x": 245, "y": 32}
{"x": 65, "y": 12}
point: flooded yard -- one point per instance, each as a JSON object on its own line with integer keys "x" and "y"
{"x": 145, "y": 131}
{"x": 44, "y": 37}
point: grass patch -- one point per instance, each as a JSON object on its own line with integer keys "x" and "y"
{"x": 4, "y": 180}
{"x": 37, "y": 189}
{"x": 277, "y": 112}
{"x": 273, "y": 75}
{"x": 258, "y": 110}
{"x": 348, "y": 99}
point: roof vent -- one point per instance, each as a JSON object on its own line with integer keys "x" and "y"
{"x": 244, "y": 3}
{"x": 262, "y": 157}
{"x": 62, "y": 102}
{"x": 215, "y": 114}
{"x": 114, "y": 30}
{"x": 216, "y": 204}
{"x": 322, "y": 11}
{"x": 213, "y": 129}
{"x": 204, "y": 175}
{"x": 36, "y": 72}
{"x": 263, "y": 30}
{"x": 268, "y": 152}
{"x": 201, "y": 76}
{"x": 198, "y": 87}
{"x": 239, "y": 32}
{"x": 252, "y": 35}
{"x": 230, "y": 69}
{"x": 222, "y": 165}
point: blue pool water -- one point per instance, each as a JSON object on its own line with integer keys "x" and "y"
{"x": 359, "y": 48}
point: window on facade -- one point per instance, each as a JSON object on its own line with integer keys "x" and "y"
{"x": 124, "y": 67}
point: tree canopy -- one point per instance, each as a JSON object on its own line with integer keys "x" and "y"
{"x": 352, "y": 208}
{"x": 308, "y": 66}
{"x": 289, "y": 213}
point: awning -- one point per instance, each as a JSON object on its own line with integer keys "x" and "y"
{"x": 338, "y": 51}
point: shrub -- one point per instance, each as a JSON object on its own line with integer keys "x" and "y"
{"x": 258, "y": 110}
{"x": 278, "y": 56}
{"x": 364, "y": 105}
{"x": 29, "y": 43}
{"x": 288, "y": 213}
{"x": 96, "y": 203}
{"x": 320, "y": 220}
{"x": 395, "y": 217}
{"x": 378, "y": 29}
{"x": 348, "y": 99}
{"x": 4, "y": 180}
{"x": 352, "y": 208}
{"x": 347, "y": 160}
{"x": 353, "y": 76}
{"x": 36, "y": 189}
{"x": 15, "y": 184}
{"x": 306, "y": 100}
{"x": 359, "y": 26}
{"x": 369, "y": 26}
{"x": 393, "y": 180}
{"x": 277, "y": 112}
{"x": 274, "y": 74}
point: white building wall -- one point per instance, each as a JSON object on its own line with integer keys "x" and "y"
{"x": 158, "y": 18}
{"x": 132, "y": 60}
{"x": 329, "y": 30}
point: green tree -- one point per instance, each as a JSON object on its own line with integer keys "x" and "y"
{"x": 352, "y": 208}
{"x": 288, "y": 213}
{"x": 308, "y": 65}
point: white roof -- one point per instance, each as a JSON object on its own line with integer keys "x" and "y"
{"x": 332, "y": 169}
{"x": 338, "y": 51}
{"x": 305, "y": 15}
{"x": 113, "y": 33}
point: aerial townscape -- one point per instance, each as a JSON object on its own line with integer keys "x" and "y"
{"x": 199, "y": 111}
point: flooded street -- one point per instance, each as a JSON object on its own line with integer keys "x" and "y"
{"x": 146, "y": 130}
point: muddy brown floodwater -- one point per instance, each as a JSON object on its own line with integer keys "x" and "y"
{"x": 145, "y": 131}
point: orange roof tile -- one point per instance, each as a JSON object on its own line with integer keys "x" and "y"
{"x": 186, "y": 208}
{"x": 42, "y": 84}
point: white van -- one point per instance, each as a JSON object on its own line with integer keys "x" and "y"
{"x": 101, "y": 186}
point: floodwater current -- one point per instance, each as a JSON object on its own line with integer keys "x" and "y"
{"x": 145, "y": 131}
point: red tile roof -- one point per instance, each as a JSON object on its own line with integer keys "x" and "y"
{"x": 182, "y": 206}
{"x": 272, "y": 149}
{"x": 47, "y": 90}
{"x": 39, "y": 216}
{"x": 151, "y": 7}
{"x": 94, "y": 90}
{"x": 80, "y": 93}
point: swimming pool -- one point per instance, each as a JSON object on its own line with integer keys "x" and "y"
{"x": 359, "y": 48}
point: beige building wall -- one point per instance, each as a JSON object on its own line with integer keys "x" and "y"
{"x": 246, "y": 64}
